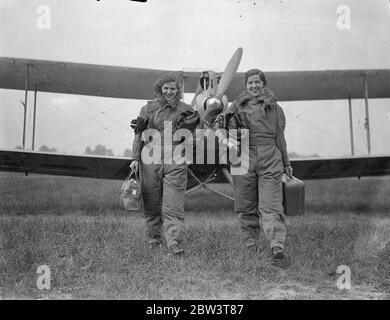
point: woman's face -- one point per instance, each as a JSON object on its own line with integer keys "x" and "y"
{"x": 254, "y": 85}
{"x": 169, "y": 90}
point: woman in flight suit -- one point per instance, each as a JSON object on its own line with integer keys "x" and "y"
{"x": 258, "y": 193}
{"x": 164, "y": 184}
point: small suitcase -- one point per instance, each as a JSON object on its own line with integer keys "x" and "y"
{"x": 293, "y": 196}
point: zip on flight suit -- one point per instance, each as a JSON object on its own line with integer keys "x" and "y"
{"x": 258, "y": 193}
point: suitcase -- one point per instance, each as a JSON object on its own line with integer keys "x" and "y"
{"x": 293, "y": 196}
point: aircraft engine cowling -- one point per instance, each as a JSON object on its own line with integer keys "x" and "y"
{"x": 214, "y": 107}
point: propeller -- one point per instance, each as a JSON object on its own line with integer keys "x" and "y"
{"x": 208, "y": 102}
{"x": 228, "y": 74}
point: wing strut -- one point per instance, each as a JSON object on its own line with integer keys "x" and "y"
{"x": 367, "y": 123}
{"x": 34, "y": 118}
{"x": 350, "y": 124}
{"x": 205, "y": 185}
{"x": 25, "y": 105}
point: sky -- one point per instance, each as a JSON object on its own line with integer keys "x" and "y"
{"x": 195, "y": 35}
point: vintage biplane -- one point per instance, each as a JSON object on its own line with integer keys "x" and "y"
{"x": 137, "y": 83}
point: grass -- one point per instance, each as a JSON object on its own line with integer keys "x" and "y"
{"x": 95, "y": 250}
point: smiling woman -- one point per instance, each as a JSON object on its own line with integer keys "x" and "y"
{"x": 163, "y": 182}
{"x": 260, "y": 189}
{"x": 169, "y": 90}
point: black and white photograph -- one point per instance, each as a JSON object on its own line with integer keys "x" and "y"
{"x": 217, "y": 152}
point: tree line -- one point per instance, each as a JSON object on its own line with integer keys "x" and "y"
{"x": 102, "y": 150}
{"x": 98, "y": 150}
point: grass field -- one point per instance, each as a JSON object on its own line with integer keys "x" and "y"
{"x": 96, "y": 250}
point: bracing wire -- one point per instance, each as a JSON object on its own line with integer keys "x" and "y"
{"x": 312, "y": 107}
{"x": 331, "y": 136}
{"x": 95, "y": 133}
{"x": 79, "y": 124}
{"x": 323, "y": 131}
{"x": 83, "y": 99}
{"x": 82, "y": 111}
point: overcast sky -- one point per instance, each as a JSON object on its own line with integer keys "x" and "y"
{"x": 187, "y": 35}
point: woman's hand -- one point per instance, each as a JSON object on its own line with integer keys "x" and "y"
{"x": 134, "y": 165}
{"x": 289, "y": 171}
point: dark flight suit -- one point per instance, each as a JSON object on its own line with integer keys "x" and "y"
{"x": 258, "y": 193}
{"x": 164, "y": 185}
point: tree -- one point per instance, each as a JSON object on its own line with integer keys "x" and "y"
{"x": 128, "y": 153}
{"x": 45, "y": 148}
{"x": 297, "y": 155}
{"x": 100, "y": 150}
{"x": 88, "y": 150}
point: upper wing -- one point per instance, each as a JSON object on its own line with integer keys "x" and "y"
{"x": 85, "y": 79}
{"x": 118, "y": 168}
{"x": 321, "y": 85}
{"x": 137, "y": 83}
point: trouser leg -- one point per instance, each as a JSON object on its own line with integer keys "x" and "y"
{"x": 271, "y": 210}
{"x": 270, "y": 198}
{"x": 245, "y": 195}
{"x": 174, "y": 185}
{"x": 151, "y": 181}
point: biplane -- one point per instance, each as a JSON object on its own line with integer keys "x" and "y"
{"x": 136, "y": 83}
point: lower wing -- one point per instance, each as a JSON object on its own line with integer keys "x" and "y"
{"x": 118, "y": 167}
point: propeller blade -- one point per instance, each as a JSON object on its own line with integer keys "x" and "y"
{"x": 199, "y": 103}
{"x": 229, "y": 73}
